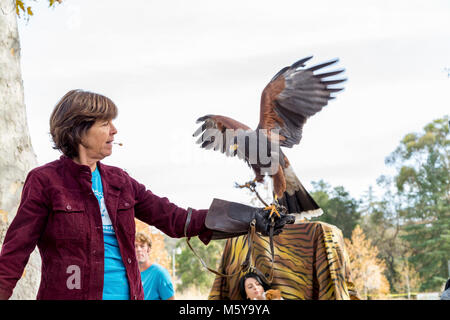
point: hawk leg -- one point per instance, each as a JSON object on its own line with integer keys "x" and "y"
{"x": 251, "y": 185}
{"x": 273, "y": 208}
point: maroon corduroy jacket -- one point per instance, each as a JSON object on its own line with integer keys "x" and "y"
{"x": 60, "y": 214}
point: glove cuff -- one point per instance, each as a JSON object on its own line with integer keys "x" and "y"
{"x": 227, "y": 217}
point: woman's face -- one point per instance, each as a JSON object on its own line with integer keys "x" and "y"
{"x": 96, "y": 144}
{"x": 253, "y": 288}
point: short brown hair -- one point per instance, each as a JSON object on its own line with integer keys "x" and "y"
{"x": 74, "y": 114}
{"x": 143, "y": 238}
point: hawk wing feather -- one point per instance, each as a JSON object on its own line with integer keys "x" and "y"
{"x": 293, "y": 95}
{"x": 214, "y": 133}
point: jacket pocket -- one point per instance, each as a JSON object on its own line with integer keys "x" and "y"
{"x": 68, "y": 220}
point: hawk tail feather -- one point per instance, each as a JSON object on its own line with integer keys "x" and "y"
{"x": 296, "y": 199}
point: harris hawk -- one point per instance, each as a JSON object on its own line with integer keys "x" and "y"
{"x": 293, "y": 95}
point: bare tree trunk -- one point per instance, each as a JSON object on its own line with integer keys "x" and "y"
{"x": 17, "y": 157}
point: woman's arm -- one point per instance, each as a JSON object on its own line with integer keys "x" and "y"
{"x": 23, "y": 233}
{"x": 168, "y": 217}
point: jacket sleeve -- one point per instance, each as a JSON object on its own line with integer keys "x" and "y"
{"x": 23, "y": 234}
{"x": 168, "y": 217}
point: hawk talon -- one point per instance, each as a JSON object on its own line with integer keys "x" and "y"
{"x": 275, "y": 207}
{"x": 273, "y": 210}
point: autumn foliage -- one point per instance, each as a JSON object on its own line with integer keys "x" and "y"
{"x": 367, "y": 269}
{"x": 23, "y": 7}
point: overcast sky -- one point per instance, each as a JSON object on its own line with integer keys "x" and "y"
{"x": 166, "y": 63}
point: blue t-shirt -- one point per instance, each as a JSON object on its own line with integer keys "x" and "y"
{"x": 157, "y": 283}
{"x": 115, "y": 281}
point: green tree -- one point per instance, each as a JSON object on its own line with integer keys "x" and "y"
{"x": 381, "y": 222}
{"x": 422, "y": 183}
{"x": 340, "y": 209}
{"x": 189, "y": 268}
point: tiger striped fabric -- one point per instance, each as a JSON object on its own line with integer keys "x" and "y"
{"x": 310, "y": 263}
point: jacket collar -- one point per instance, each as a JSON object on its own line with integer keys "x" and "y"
{"x": 111, "y": 177}
{"x": 73, "y": 166}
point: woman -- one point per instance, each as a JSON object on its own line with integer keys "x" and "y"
{"x": 252, "y": 287}
{"x": 80, "y": 212}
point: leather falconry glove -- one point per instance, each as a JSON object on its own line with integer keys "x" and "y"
{"x": 231, "y": 219}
